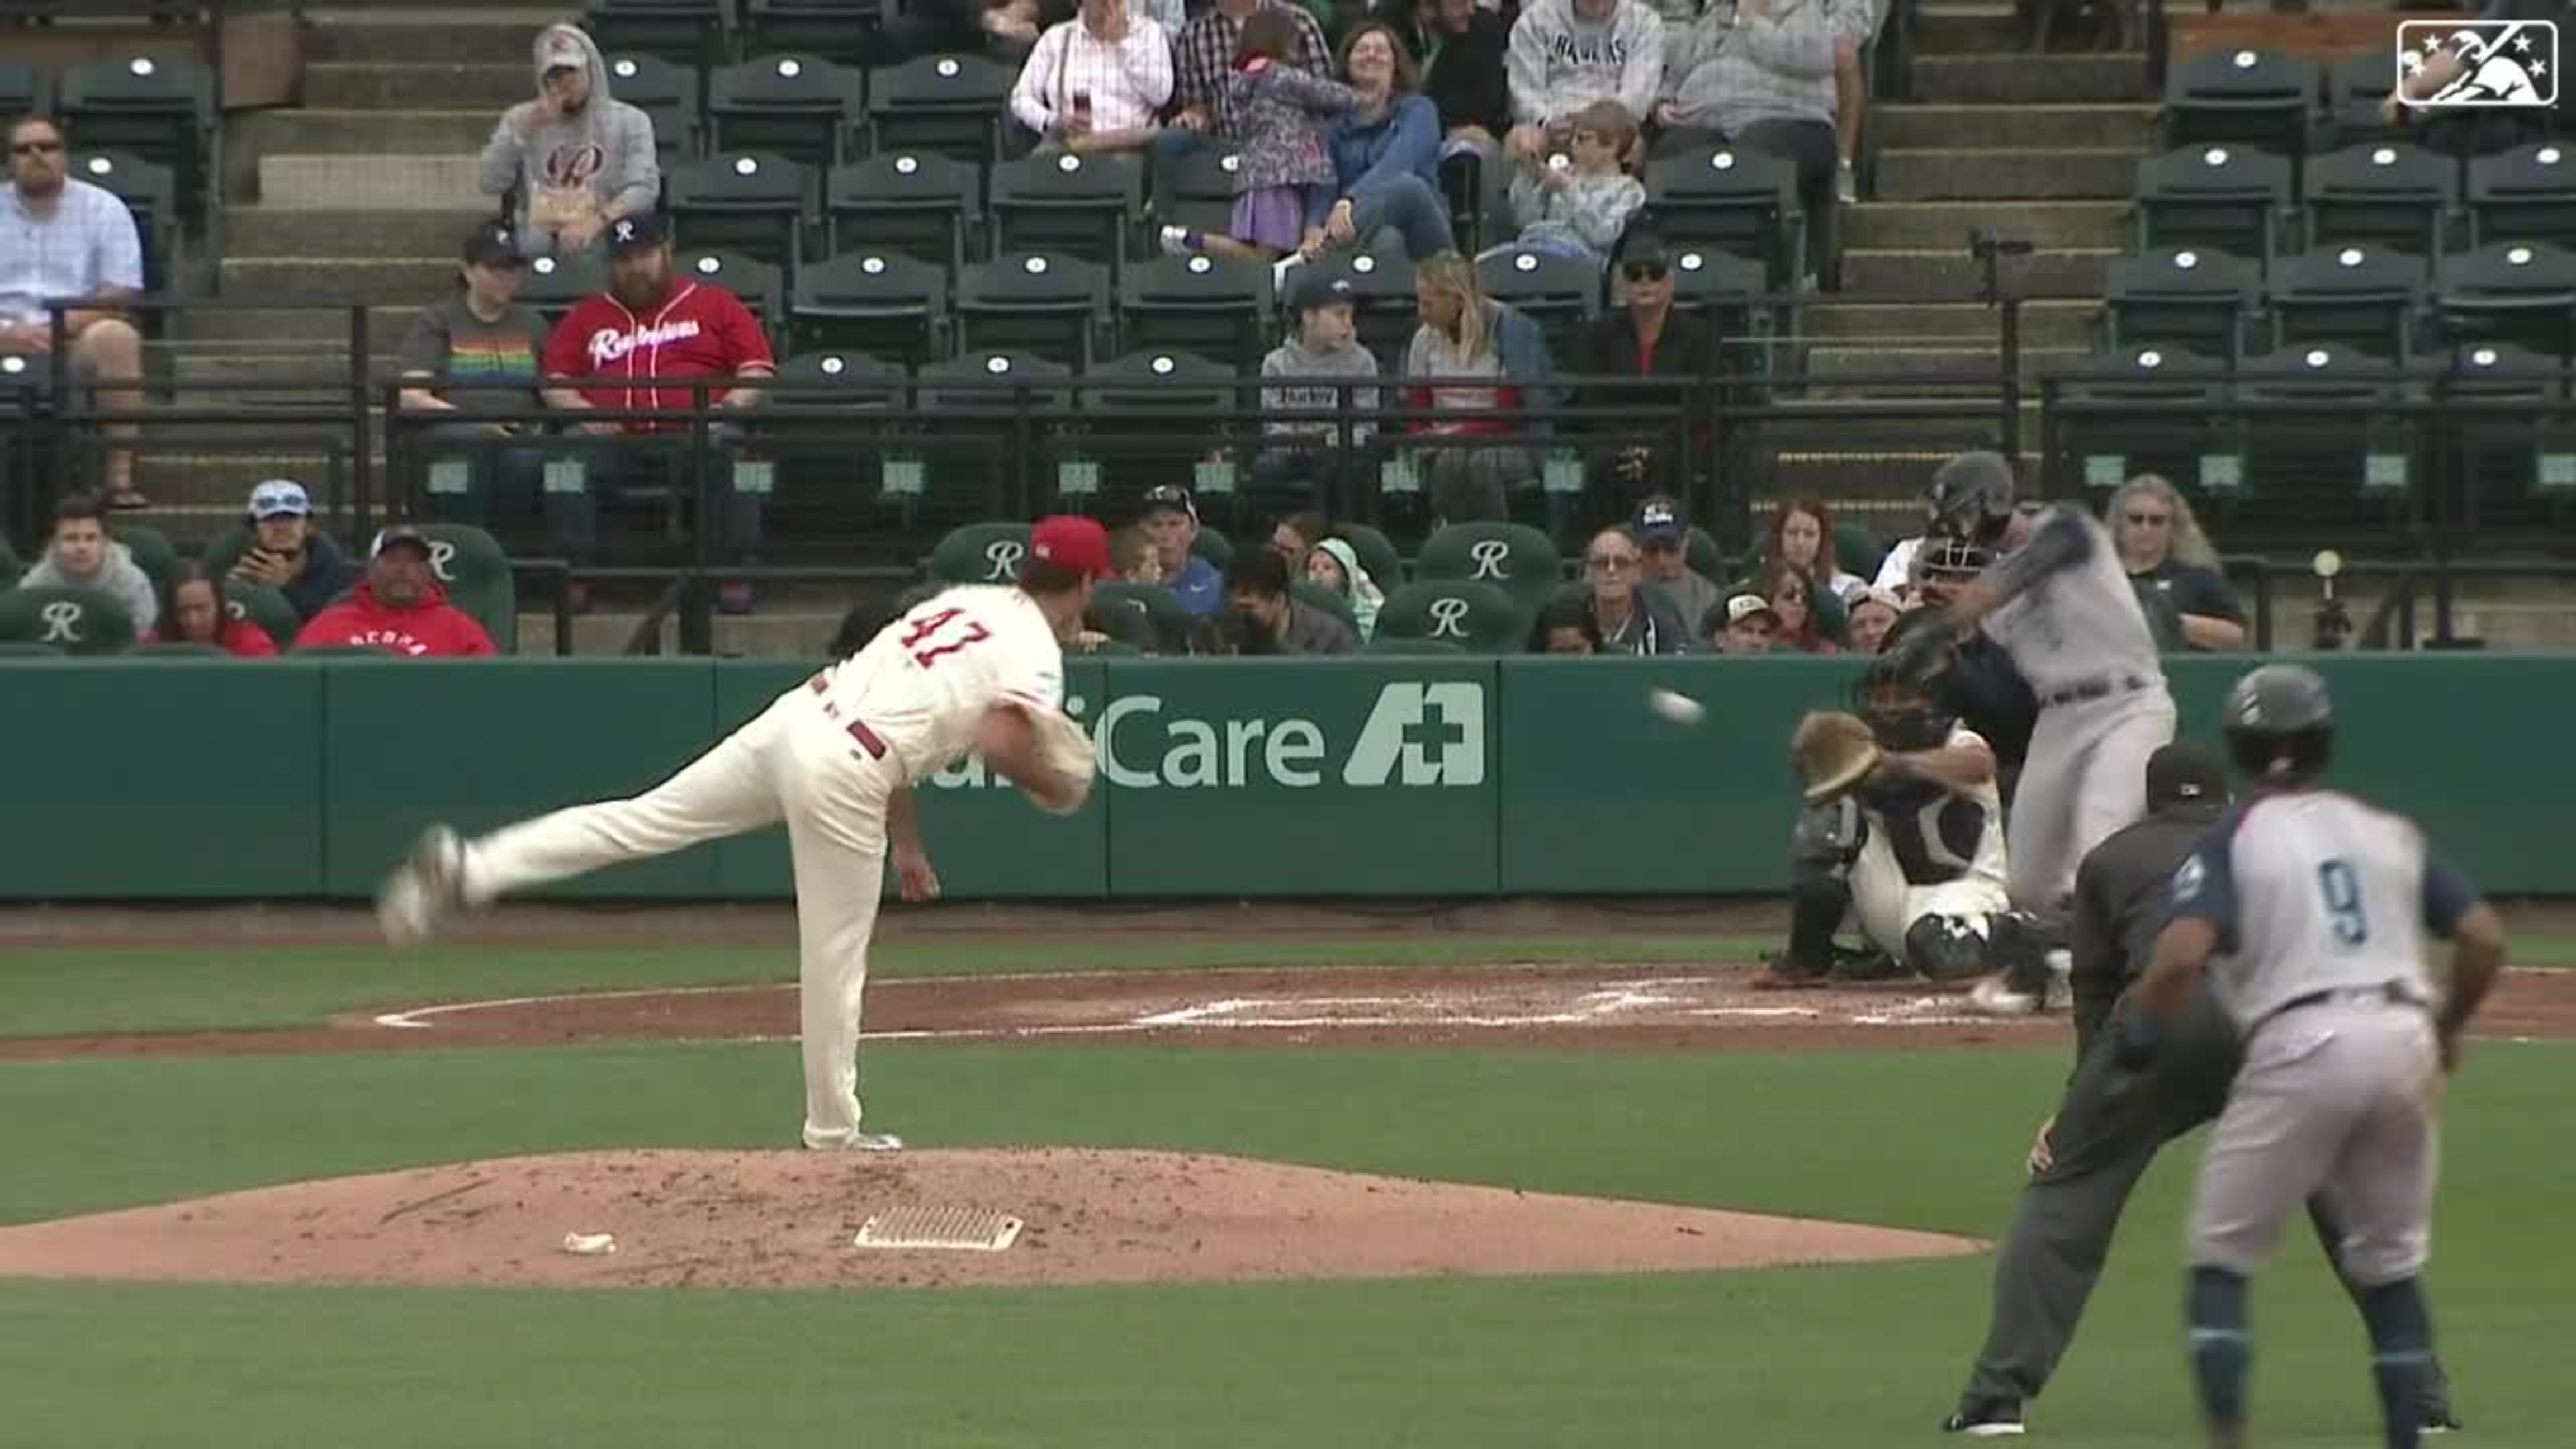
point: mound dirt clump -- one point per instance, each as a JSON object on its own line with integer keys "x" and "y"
{"x": 787, "y": 1219}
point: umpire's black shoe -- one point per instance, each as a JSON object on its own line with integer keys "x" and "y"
{"x": 2438, "y": 1419}
{"x": 1986, "y": 1419}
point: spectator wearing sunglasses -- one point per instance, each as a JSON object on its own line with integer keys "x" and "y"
{"x": 1644, "y": 338}
{"x": 1630, "y": 618}
{"x": 1760, "y": 74}
{"x": 63, "y": 240}
{"x": 2162, "y": 547}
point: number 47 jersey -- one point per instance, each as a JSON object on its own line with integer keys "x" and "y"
{"x": 924, "y": 683}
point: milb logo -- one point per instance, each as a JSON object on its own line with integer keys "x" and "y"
{"x": 2501, "y": 63}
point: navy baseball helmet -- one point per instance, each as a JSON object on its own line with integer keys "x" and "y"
{"x": 2279, "y": 722}
{"x": 1971, "y": 496}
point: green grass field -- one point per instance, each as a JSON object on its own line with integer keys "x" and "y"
{"x": 1839, "y": 1357}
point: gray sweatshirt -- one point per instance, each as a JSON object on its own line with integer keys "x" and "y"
{"x": 1560, "y": 63}
{"x": 602, "y": 158}
{"x": 119, "y": 577}
{"x": 1589, "y": 213}
{"x": 1291, "y": 359}
{"x": 1778, "y": 66}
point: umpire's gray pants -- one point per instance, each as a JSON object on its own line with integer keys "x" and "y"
{"x": 2085, "y": 777}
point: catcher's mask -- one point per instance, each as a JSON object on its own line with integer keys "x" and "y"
{"x": 1907, "y": 697}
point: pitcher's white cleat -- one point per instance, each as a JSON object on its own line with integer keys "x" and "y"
{"x": 420, "y": 895}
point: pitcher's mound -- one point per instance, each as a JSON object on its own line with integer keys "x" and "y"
{"x": 787, "y": 1219}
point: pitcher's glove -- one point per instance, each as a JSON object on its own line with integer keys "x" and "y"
{"x": 1066, "y": 752}
{"x": 1832, "y": 751}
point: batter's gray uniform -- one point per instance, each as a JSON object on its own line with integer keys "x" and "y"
{"x": 2075, "y": 631}
{"x": 2321, "y": 904}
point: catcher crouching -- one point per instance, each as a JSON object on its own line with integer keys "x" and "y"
{"x": 1903, "y": 827}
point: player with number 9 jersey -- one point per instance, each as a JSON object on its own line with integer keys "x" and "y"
{"x": 978, "y": 668}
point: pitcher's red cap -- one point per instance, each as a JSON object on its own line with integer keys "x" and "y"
{"x": 1067, "y": 541}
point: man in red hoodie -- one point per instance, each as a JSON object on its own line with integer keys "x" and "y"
{"x": 640, "y": 345}
{"x": 399, "y": 607}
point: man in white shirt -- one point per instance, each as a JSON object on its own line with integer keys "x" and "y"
{"x": 979, "y": 668}
{"x": 1095, "y": 83}
{"x": 63, "y": 240}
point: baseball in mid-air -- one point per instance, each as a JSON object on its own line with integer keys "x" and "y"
{"x": 1681, "y": 709}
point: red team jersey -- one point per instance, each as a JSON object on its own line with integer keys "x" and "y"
{"x": 698, "y": 331}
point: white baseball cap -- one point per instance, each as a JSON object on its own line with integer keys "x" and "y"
{"x": 280, "y": 498}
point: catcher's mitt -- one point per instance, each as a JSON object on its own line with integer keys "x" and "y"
{"x": 1065, "y": 751}
{"x": 1832, "y": 751}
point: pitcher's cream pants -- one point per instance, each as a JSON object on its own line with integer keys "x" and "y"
{"x": 789, "y": 764}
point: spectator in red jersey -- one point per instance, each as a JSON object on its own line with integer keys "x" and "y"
{"x": 399, "y": 607}
{"x": 640, "y": 345}
{"x": 198, "y": 615}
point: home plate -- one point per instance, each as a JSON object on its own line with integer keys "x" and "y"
{"x": 954, "y": 1229}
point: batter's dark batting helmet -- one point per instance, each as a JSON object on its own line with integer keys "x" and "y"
{"x": 1971, "y": 496}
{"x": 2280, "y": 723}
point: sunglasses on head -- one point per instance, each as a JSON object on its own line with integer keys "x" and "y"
{"x": 1644, "y": 271}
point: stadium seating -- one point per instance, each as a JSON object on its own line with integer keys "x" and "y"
{"x": 2223, "y": 198}
{"x": 2179, "y": 297}
{"x": 1067, "y": 205}
{"x": 1519, "y": 559}
{"x": 884, "y": 305}
{"x": 1559, "y": 293}
{"x": 800, "y": 107}
{"x": 2119, "y": 442}
{"x": 756, "y": 282}
{"x": 1050, "y": 306}
{"x": 749, "y": 203}
{"x": 683, "y": 32}
{"x": 1479, "y": 618}
{"x": 2524, "y": 195}
{"x": 845, "y": 32}
{"x": 980, "y": 553}
{"x": 1217, "y": 306}
{"x": 1742, "y": 202}
{"x": 2359, "y": 297}
{"x": 153, "y": 553}
{"x": 1375, "y": 553}
{"x": 1381, "y": 285}
{"x": 552, "y": 285}
{"x": 1196, "y": 192}
{"x": 949, "y": 104}
{"x": 1167, "y": 621}
{"x": 916, "y": 203}
{"x": 266, "y": 608}
{"x": 162, "y": 111}
{"x": 2518, "y": 465}
{"x": 670, "y": 96}
{"x": 474, "y": 571}
{"x": 2355, "y": 88}
{"x": 1144, "y": 419}
{"x": 2511, "y": 293}
{"x": 152, "y": 195}
{"x": 2391, "y": 196}
{"x": 2264, "y": 99}
{"x": 79, "y": 621}
{"x": 2351, "y": 462}
{"x": 24, "y": 90}
{"x": 978, "y": 403}
{"x": 1328, "y": 600}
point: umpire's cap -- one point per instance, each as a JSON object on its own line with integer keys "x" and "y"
{"x": 1972, "y": 494}
{"x": 2186, "y": 779}
{"x": 2279, "y": 721}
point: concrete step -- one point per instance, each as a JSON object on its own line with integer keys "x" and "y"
{"x": 1928, "y": 225}
{"x": 337, "y": 279}
{"x": 311, "y": 131}
{"x": 2045, "y": 323}
{"x": 1902, "y": 368}
{"x": 2011, "y": 78}
{"x": 1955, "y": 127}
{"x": 419, "y": 34}
{"x": 380, "y": 85}
{"x": 321, "y": 326}
{"x": 373, "y": 183}
{"x": 1951, "y": 272}
{"x": 1966, "y": 29}
{"x": 1892, "y": 479}
{"x": 2006, "y": 175}
{"x": 200, "y": 371}
{"x": 268, "y": 231}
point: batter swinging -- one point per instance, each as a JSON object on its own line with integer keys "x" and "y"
{"x": 978, "y": 667}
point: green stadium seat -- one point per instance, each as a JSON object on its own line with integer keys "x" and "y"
{"x": 152, "y": 552}
{"x": 553, "y": 286}
{"x": 1381, "y": 284}
{"x": 1216, "y": 306}
{"x": 265, "y": 607}
{"x": 2179, "y": 297}
{"x": 752, "y": 204}
{"x": 2232, "y": 199}
{"x": 2353, "y": 296}
{"x": 1197, "y": 191}
{"x": 24, "y": 90}
{"x": 1376, "y": 554}
{"x": 671, "y": 96}
{"x": 974, "y": 407}
{"x": 1741, "y": 202}
{"x": 2399, "y": 198}
{"x": 1049, "y": 306}
{"x": 1856, "y": 549}
{"x": 160, "y": 110}
{"x": 1477, "y": 617}
{"x": 2510, "y": 292}
{"x": 2350, "y": 464}
{"x": 1167, "y": 624}
{"x": 1704, "y": 558}
{"x": 1143, "y": 420}
{"x": 980, "y": 553}
{"x": 2516, "y": 468}
{"x": 2527, "y": 194}
{"x": 683, "y": 32}
{"x": 818, "y": 431}
{"x": 882, "y": 304}
{"x": 841, "y": 382}
{"x": 2355, "y": 86}
{"x": 759, "y": 284}
{"x": 2117, "y": 443}
{"x": 1329, "y": 600}
{"x": 844, "y": 32}
{"x": 151, "y": 193}
{"x": 1213, "y": 546}
{"x": 2265, "y": 99}
{"x": 801, "y": 107}
{"x": 1067, "y": 205}
{"x": 471, "y": 567}
{"x": 1560, "y": 294}
{"x": 1732, "y": 295}
{"x": 1519, "y": 559}
{"x": 918, "y": 204}
{"x": 949, "y": 104}
{"x": 1129, "y": 631}
{"x": 79, "y": 621}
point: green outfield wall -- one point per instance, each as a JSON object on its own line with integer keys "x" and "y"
{"x": 185, "y": 779}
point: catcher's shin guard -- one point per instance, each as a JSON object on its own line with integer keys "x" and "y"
{"x": 1949, "y": 948}
{"x": 1826, "y": 842}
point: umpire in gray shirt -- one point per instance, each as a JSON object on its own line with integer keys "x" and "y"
{"x": 2114, "y": 1120}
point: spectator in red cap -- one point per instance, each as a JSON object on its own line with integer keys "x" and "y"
{"x": 399, "y": 607}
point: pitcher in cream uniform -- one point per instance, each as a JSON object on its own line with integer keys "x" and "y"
{"x": 978, "y": 668}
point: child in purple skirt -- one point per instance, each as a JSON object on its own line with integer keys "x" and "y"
{"x": 1285, "y": 186}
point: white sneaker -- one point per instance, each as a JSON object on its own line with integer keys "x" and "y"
{"x": 423, "y": 891}
{"x": 1991, "y": 997}
{"x": 1175, "y": 241}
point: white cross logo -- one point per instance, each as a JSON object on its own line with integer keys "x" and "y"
{"x": 1489, "y": 554}
{"x": 1448, "y": 616}
{"x": 441, "y": 554}
{"x": 62, "y": 622}
{"x": 1004, "y": 554}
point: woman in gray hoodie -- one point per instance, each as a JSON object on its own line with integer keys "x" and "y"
{"x": 579, "y": 157}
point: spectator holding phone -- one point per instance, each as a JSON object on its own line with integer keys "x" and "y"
{"x": 285, "y": 553}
